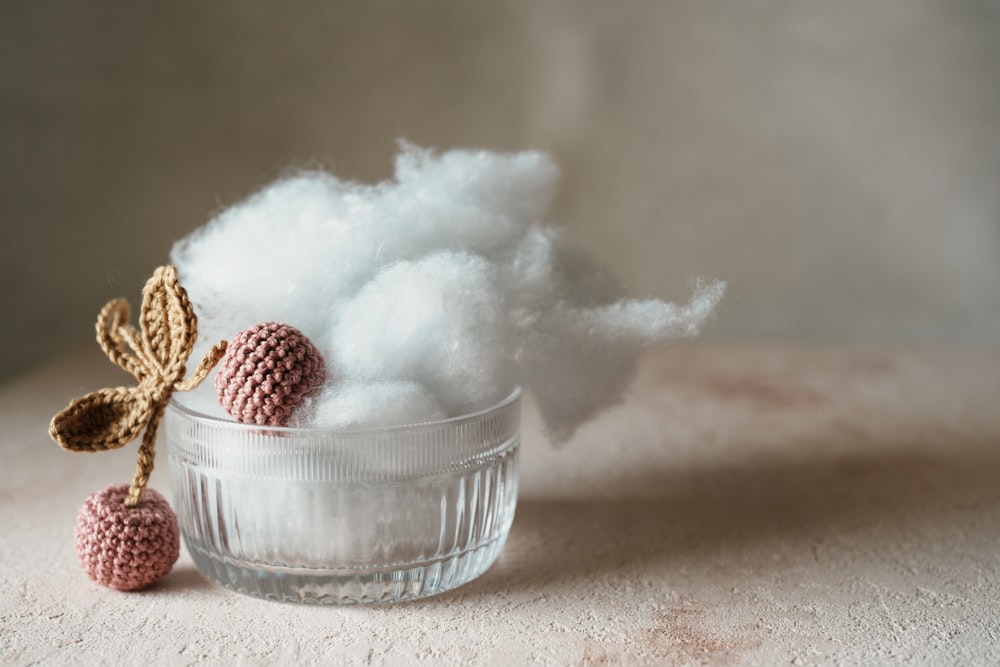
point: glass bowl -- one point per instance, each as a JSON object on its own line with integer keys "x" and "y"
{"x": 340, "y": 517}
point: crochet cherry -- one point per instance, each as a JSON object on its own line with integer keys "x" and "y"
{"x": 266, "y": 373}
{"x": 127, "y": 537}
{"x": 127, "y": 548}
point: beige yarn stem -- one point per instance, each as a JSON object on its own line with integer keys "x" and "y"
{"x": 146, "y": 458}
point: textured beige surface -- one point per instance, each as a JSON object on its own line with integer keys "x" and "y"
{"x": 745, "y": 505}
{"x": 837, "y": 162}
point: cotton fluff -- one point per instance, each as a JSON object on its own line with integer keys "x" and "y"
{"x": 438, "y": 321}
{"x": 374, "y": 404}
{"x": 430, "y": 295}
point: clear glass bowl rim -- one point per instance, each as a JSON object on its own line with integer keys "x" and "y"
{"x": 227, "y": 424}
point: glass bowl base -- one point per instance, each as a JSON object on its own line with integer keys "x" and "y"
{"x": 326, "y": 516}
{"x": 343, "y": 587}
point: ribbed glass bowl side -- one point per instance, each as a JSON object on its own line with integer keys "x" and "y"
{"x": 327, "y": 516}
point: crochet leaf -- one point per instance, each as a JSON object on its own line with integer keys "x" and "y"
{"x": 155, "y": 354}
{"x": 104, "y": 419}
{"x": 169, "y": 326}
{"x": 115, "y": 336}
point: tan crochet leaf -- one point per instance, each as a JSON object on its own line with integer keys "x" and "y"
{"x": 168, "y": 323}
{"x": 105, "y": 419}
{"x": 115, "y": 336}
{"x": 110, "y": 320}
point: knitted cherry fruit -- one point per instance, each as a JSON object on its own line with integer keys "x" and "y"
{"x": 266, "y": 373}
{"x": 126, "y": 548}
{"x": 127, "y": 536}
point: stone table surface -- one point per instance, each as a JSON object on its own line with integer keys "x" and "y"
{"x": 743, "y": 505}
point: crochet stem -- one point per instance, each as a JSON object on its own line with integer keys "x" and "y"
{"x": 147, "y": 456}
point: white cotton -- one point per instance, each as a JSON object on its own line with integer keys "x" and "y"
{"x": 464, "y": 200}
{"x": 651, "y": 321}
{"x": 371, "y": 405}
{"x": 438, "y": 321}
{"x": 434, "y": 293}
{"x": 282, "y": 255}
{"x": 578, "y": 361}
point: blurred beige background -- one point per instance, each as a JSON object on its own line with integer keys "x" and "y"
{"x": 838, "y": 163}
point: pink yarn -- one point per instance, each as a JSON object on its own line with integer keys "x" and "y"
{"x": 126, "y": 548}
{"x": 267, "y": 370}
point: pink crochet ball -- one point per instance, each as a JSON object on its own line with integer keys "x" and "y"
{"x": 266, "y": 372}
{"x": 126, "y": 548}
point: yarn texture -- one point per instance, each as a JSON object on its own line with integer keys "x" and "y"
{"x": 127, "y": 536}
{"x": 267, "y": 372}
{"x": 126, "y": 548}
{"x": 156, "y": 355}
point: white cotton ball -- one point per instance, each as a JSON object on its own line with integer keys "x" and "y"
{"x": 517, "y": 186}
{"x": 651, "y": 321}
{"x": 544, "y": 269}
{"x": 370, "y": 405}
{"x": 472, "y": 201}
{"x": 579, "y": 361}
{"x": 444, "y": 278}
{"x": 572, "y": 374}
{"x": 283, "y": 254}
{"x": 437, "y": 321}
{"x": 527, "y": 276}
